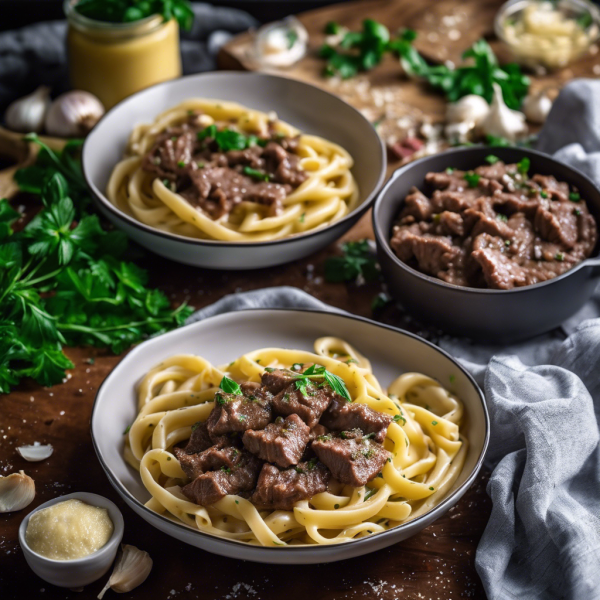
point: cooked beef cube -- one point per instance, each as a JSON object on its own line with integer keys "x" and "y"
{"x": 495, "y": 171}
{"x": 199, "y": 440}
{"x": 451, "y": 223}
{"x": 556, "y": 189}
{"x": 446, "y": 181}
{"x": 417, "y": 205}
{"x": 450, "y": 201}
{"x": 352, "y": 458}
{"x": 238, "y": 413}
{"x": 309, "y": 408}
{"x": 211, "y": 459}
{"x": 281, "y": 442}
{"x": 280, "y": 490}
{"x": 317, "y": 430}
{"x": 210, "y": 487}
{"x": 277, "y": 379}
{"x": 433, "y": 253}
{"x": 499, "y": 271}
{"x": 477, "y": 222}
{"x": 285, "y": 166}
{"x": 512, "y": 203}
{"x": 344, "y": 416}
{"x": 557, "y": 224}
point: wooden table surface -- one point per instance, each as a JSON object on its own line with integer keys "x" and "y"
{"x": 437, "y": 564}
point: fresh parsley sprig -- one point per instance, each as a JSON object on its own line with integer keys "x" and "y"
{"x": 229, "y": 139}
{"x": 62, "y": 281}
{"x": 320, "y": 373}
{"x": 229, "y": 386}
{"x": 358, "y": 259}
{"x": 124, "y": 11}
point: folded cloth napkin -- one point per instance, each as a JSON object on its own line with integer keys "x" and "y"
{"x": 36, "y": 55}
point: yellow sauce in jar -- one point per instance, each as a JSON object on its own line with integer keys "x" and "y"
{"x": 68, "y": 530}
{"x": 114, "y": 60}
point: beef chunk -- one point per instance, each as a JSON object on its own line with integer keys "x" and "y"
{"x": 281, "y": 442}
{"x": 556, "y": 189}
{"x": 417, "y": 205}
{"x": 477, "y": 222}
{"x": 432, "y": 253}
{"x": 238, "y": 413}
{"x": 317, "y": 430}
{"x": 285, "y": 166}
{"x": 345, "y": 416}
{"x": 280, "y": 490}
{"x": 557, "y": 224}
{"x": 199, "y": 440}
{"x": 211, "y": 459}
{"x": 451, "y": 223}
{"x": 277, "y": 379}
{"x": 352, "y": 458}
{"x": 499, "y": 271}
{"x": 210, "y": 487}
{"x": 309, "y": 408}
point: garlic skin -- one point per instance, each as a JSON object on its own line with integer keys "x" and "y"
{"x": 27, "y": 114}
{"x": 131, "y": 569}
{"x": 537, "y": 108}
{"x": 471, "y": 109}
{"x": 281, "y": 44}
{"x": 501, "y": 121}
{"x": 73, "y": 114}
{"x": 16, "y": 492}
{"x": 36, "y": 452}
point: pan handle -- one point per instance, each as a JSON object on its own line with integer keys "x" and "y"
{"x": 593, "y": 264}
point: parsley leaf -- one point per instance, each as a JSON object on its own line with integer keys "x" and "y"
{"x": 358, "y": 259}
{"x": 472, "y": 179}
{"x": 256, "y": 174}
{"x": 229, "y": 386}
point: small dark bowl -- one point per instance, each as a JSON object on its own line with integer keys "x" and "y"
{"x": 484, "y": 314}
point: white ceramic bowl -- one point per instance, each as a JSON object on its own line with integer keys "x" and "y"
{"x": 222, "y": 338}
{"x": 81, "y": 571}
{"x": 309, "y": 108}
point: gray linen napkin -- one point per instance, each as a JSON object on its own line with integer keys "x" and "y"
{"x": 36, "y": 55}
{"x": 543, "y": 538}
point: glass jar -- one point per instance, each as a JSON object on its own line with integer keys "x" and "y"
{"x": 114, "y": 60}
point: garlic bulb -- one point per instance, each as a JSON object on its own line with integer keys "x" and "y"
{"x": 537, "y": 108}
{"x": 131, "y": 569}
{"x": 469, "y": 109}
{"x": 16, "y": 492}
{"x": 501, "y": 121}
{"x": 36, "y": 452}
{"x": 281, "y": 44}
{"x": 27, "y": 114}
{"x": 73, "y": 114}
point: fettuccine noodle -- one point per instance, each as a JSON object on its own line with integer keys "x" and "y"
{"x": 328, "y": 194}
{"x": 428, "y": 449}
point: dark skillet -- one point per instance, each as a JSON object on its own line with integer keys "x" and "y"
{"x": 483, "y": 314}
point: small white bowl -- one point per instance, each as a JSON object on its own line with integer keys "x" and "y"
{"x": 80, "y": 571}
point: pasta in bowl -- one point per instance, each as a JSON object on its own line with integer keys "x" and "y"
{"x": 211, "y": 169}
{"x": 287, "y": 447}
{"x": 233, "y": 170}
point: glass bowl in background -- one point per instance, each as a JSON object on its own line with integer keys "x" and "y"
{"x": 545, "y": 35}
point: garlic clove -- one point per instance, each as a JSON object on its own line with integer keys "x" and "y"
{"x": 502, "y": 121}
{"x": 537, "y": 107}
{"x": 27, "y": 114}
{"x": 36, "y": 452}
{"x": 16, "y": 492}
{"x": 281, "y": 44}
{"x": 73, "y": 114}
{"x": 471, "y": 108}
{"x": 131, "y": 569}
{"x": 458, "y": 133}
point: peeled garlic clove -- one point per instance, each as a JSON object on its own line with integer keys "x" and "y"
{"x": 131, "y": 569}
{"x": 537, "y": 108}
{"x": 36, "y": 453}
{"x": 501, "y": 121}
{"x": 281, "y": 44}
{"x": 16, "y": 492}
{"x": 27, "y": 114}
{"x": 73, "y": 114}
{"x": 471, "y": 109}
{"x": 458, "y": 133}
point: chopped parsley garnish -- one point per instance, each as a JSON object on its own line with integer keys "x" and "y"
{"x": 318, "y": 372}
{"x": 497, "y": 140}
{"x": 576, "y": 212}
{"x": 127, "y": 430}
{"x": 502, "y": 217}
{"x": 196, "y": 425}
{"x": 523, "y": 165}
{"x": 560, "y": 256}
{"x": 200, "y": 165}
{"x": 242, "y": 418}
{"x": 434, "y": 423}
{"x": 380, "y": 301}
{"x": 491, "y": 159}
{"x": 543, "y": 194}
{"x": 350, "y": 361}
{"x": 237, "y": 501}
{"x": 452, "y": 378}
{"x": 332, "y": 28}
{"x": 220, "y": 400}
{"x": 431, "y": 488}
{"x": 181, "y": 164}
{"x": 507, "y": 243}
{"x": 229, "y": 139}
{"x": 278, "y": 543}
{"x": 574, "y": 197}
{"x": 398, "y": 418}
{"x": 358, "y": 259}
{"x": 449, "y": 170}
{"x": 256, "y": 174}
{"x": 370, "y": 492}
{"x": 292, "y": 37}
{"x": 229, "y": 386}
{"x": 302, "y": 217}
{"x": 472, "y": 179}
{"x": 336, "y": 506}
{"x": 585, "y": 20}
{"x": 299, "y": 470}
